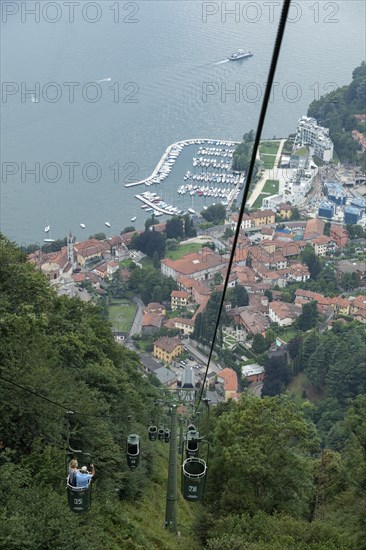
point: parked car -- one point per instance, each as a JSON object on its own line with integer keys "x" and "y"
{"x": 182, "y": 363}
{"x": 190, "y": 357}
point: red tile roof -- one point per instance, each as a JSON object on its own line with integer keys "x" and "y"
{"x": 151, "y": 319}
{"x": 230, "y": 379}
{"x": 168, "y": 344}
{"x": 179, "y": 294}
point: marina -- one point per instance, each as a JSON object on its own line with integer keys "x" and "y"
{"x": 170, "y": 155}
{"x": 211, "y": 177}
{"x": 154, "y": 204}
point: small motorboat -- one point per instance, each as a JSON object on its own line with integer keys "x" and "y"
{"x": 107, "y": 224}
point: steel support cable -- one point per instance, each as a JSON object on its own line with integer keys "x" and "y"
{"x": 68, "y": 409}
{"x": 35, "y": 393}
{"x": 262, "y": 116}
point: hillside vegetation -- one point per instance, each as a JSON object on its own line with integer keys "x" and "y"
{"x": 336, "y": 111}
{"x": 275, "y": 481}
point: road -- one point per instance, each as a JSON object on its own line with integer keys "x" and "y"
{"x": 136, "y": 323}
{"x": 213, "y": 366}
{"x": 256, "y": 389}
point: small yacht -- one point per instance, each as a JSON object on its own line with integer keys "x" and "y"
{"x": 133, "y": 219}
{"x": 107, "y": 224}
{"x": 82, "y": 225}
{"x": 47, "y": 229}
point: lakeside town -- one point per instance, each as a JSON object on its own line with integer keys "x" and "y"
{"x": 301, "y": 241}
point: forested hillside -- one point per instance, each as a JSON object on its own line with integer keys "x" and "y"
{"x": 64, "y": 350}
{"x": 282, "y": 474}
{"x": 337, "y": 111}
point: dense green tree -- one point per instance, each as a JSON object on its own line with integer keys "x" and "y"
{"x": 189, "y": 230}
{"x": 243, "y": 153}
{"x": 151, "y": 221}
{"x": 157, "y": 294}
{"x": 218, "y": 279}
{"x": 259, "y": 344}
{"x": 309, "y": 345}
{"x": 205, "y": 327}
{"x": 261, "y": 459}
{"x": 312, "y": 261}
{"x": 197, "y": 332}
{"x": 269, "y": 295}
{"x": 143, "y": 281}
{"x": 261, "y": 531}
{"x": 228, "y": 233}
{"x": 295, "y": 214}
{"x": 175, "y": 228}
{"x": 99, "y": 236}
{"x": 238, "y": 296}
{"x": 128, "y": 229}
{"x": 308, "y": 317}
{"x": 61, "y": 349}
{"x": 278, "y": 376}
{"x": 335, "y": 111}
{"x": 270, "y": 337}
{"x": 216, "y": 213}
{"x": 294, "y": 346}
{"x": 151, "y": 241}
{"x": 156, "y": 261}
{"x": 349, "y": 281}
{"x": 356, "y": 231}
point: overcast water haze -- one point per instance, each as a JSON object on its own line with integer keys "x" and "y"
{"x": 161, "y": 77}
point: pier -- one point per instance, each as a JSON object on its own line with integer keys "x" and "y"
{"x": 153, "y": 205}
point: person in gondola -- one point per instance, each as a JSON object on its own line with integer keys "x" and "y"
{"x": 83, "y": 477}
{"x": 73, "y": 469}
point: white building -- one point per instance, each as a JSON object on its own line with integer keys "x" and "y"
{"x": 283, "y": 313}
{"x": 317, "y": 137}
{"x": 271, "y": 202}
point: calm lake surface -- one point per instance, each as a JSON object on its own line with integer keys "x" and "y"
{"x": 159, "y": 75}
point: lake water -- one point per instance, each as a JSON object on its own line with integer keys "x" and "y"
{"x": 161, "y": 77}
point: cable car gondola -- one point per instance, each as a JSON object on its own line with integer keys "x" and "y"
{"x": 133, "y": 451}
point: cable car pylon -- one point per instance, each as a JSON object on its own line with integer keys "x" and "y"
{"x": 171, "y": 495}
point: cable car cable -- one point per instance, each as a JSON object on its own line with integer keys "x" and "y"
{"x": 35, "y": 393}
{"x": 262, "y": 116}
{"x": 68, "y": 409}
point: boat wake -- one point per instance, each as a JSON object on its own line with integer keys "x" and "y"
{"x": 104, "y": 80}
{"x": 221, "y": 62}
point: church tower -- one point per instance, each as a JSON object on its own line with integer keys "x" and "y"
{"x": 70, "y": 249}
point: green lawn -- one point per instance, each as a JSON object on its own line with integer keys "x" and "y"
{"x": 268, "y": 160}
{"x": 146, "y": 261}
{"x": 182, "y": 250}
{"x": 269, "y": 147}
{"x": 121, "y": 314}
{"x": 288, "y": 334}
{"x": 258, "y": 201}
{"x": 303, "y": 152}
{"x": 271, "y": 186}
{"x": 126, "y": 263}
{"x": 297, "y": 385}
